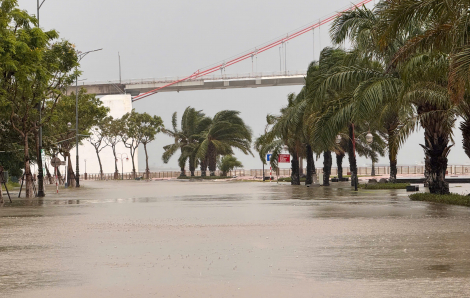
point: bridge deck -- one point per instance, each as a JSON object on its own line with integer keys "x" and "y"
{"x": 136, "y": 87}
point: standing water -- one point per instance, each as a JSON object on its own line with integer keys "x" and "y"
{"x": 232, "y": 239}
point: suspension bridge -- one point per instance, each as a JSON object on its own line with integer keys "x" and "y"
{"x": 208, "y": 78}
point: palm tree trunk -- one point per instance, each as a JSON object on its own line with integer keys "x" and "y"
{"x": 436, "y": 148}
{"x": 327, "y": 162}
{"x": 436, "y": 152}
{"x": 373, "y": 169}
{"x": 392, "y": 157}
{"x": 465, "y": 128}
{"x": 339, "y": 164}
{"x": 212, "y": 152}
{"x": 352, "y": 155}
{"x": 310, "y": 166}
{"x": 192, "y": 166}
{"x": 295, "y": 177}
{"x": 203, "y": 167}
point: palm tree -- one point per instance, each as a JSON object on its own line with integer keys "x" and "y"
{"x": 225, "y": 132}
{"x": 193, "y": 123}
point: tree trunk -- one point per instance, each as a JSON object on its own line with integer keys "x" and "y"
{"x": 436, "y": 147}
{"x": 133, "y": 163}
{"x": 295, "y": 176}
{"x": 436, "y": 152}
{"x": 301, "y": 166}
{"x": 192, "y": 165}
{"x": 49, "y": 176}
{"x": 27, "y": 170}
{"x": 116, "y": 171}
{"x": 99, "y": 162}
{"x": 327, "y": 162}
{"x": 212, "y": 152}
{"x": 392, "y": 157}
{"x": 373, "y": 169}
{"x": 204, "y": 167}
{"x": 465, "y": 128}
{"x": 70, "y": 173}
{"x": 147, "y": 170}
{"x": 339, "y": 164}
{"x": 310, "y": 166}
{"x": 1, "y": 192}
{"x": 352, "y": 155}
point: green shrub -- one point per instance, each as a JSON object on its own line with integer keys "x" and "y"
{"x": 384, "y": 185}
{"x": 452, "y": 199}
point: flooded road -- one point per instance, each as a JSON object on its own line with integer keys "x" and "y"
{"x": 232, "y": 239}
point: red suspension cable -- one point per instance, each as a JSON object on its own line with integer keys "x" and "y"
{"x": 199, "y": 73}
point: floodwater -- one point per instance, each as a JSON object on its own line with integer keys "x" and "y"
{"x": 232, "y": 239}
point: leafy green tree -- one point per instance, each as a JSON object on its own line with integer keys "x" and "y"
{"x": 59, "y": 133}
{"x": 112, "y": 133}
{"x": 97, "y": 139}
{"x": 226, "y": 131}
{"x": 136, "y": 129}
{"x": 148, "y": 127}
{"x": 35, "y": 68}
{"x": 227, "y": 163}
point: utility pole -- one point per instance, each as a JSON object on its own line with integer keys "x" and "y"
{"x": 119, "y": 56}
{"x": 80, "y": 56}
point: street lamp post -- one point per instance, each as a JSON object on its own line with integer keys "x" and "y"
{"x": 369, "y": 140}
{"x": 40, "y": 165}
{"x": 80, "y": 56}
{"x": 121, "y": 157}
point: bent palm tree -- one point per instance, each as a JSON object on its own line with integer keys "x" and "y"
{"x": 225, "y": 132}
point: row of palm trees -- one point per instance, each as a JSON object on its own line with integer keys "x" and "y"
{"x": 408, "y": 67}
{"x": 201, "y": 140}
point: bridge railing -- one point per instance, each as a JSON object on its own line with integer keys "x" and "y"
{"x": 208, "y": 77}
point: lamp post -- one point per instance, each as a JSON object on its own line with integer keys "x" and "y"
{"x": 121, "y": 157}
{"x": 80, "y": 56}
{"x": 85, "y": 170}
{"x": 40, "y": 165}
{"x": 369, "y": 140}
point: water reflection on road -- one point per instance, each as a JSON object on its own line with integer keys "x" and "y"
{"x": 232, "y": 239}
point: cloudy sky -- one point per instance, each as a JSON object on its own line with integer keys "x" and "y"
{"x": 175, "y": 38}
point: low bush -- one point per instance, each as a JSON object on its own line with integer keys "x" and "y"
{"x": 384, "y": 185}
{"x": 452, "y": 199}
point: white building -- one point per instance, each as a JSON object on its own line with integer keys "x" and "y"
{"x": 118, "y": 105}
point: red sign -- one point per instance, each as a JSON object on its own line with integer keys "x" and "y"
{"x": 284, "y": 158}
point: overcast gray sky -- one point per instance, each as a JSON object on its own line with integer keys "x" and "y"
{"x": 175, "y": 38}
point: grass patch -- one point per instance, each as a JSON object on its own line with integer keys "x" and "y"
{"x": 288, "y": 179}
{"x": 204, "y": 178}
{"x": 384, "y": 186}
{"x": 451, "y": 199}
{"x": 11, "y": 185}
